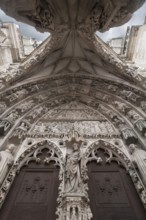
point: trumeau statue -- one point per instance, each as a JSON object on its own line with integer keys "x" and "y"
{"x": 6, "y": 160}
{"x": 72, "y": 171}
{"x": 74, "y": 205}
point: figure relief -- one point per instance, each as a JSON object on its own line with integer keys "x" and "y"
{"x": 3, "y": 107}
{"x": 139, "y": 157}
{"x": 74, "y": 215}
{"x": 20, "y": 132}
{"x": 122, "y": 107}
{"x": 129, "y": 136}
{"x": 143, "y": 106}
{"x": 141, "y": 126}
{"x": 133, "y": 115}
{"x": 12, "y": 116}
{"x": 5, "y": 126}
{"x": 6, "y": 160}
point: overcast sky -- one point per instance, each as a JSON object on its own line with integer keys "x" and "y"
{"x": 26, "y": 30}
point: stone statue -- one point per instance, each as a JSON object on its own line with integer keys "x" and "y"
{"x": 129, "y": 136}
{"x": 21, "y": 131}
{"x": 141, "y": 126}
{"x": 139, "y": 157}
{"x": 74, "y": 215}
{"x": 6, "y": 160}
{"x": 72, "y": 171}
{"x": 2, "y": 107}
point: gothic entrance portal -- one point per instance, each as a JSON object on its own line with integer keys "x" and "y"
{"x": 34, "y": 192}
{"x": 111, "y": 191}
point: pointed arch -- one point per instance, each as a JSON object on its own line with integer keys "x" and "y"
{"x": 33, "y": 154}
{"x": 114, "y": 154}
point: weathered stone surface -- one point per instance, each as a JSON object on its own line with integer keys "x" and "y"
{"x": 59, "y": 15}
{"x": 72, "y": 97}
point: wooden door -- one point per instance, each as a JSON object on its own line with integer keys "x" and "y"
{"x": 33, "y": 195}
{"x": 112, "y": 193}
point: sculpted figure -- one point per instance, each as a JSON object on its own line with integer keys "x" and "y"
{"x": 133, "y": 115}
{"x": 129, "y": 136}
{"x": 5, "y": 126}
{"x": 143, "y": 105}
{"x": 72, "y": 171}
{"x": 139, "y": 157}
{"x": 6, "y": 160}
{"x": 74, "y": 214}
{"x": 2, "y": 107}
{"x": 141, "y": 126}
{"x": 12, "y": 116}
{"x": 122, "y": 107}
{"x": 21, "y": 131}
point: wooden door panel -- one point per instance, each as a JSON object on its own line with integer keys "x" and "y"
{"x": 33, "y": 195}
{"x": 109, "y": 190}
{"x": 34, "y": 188}
{"x": 112, "y": 194}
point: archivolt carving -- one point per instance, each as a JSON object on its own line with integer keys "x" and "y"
{"x": 10, "y": 98}
{"x": 117, "y": 117}
{"x": 24, "y": 106}
{"x": 32, "y": 154}
{"x": 115, "y": 154}
{"x": 34, "y": 107}
{"x": 27, "y": 89}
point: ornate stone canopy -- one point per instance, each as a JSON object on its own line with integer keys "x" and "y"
{"x": 72, "y": 49}
{"x": 59, "y": 15}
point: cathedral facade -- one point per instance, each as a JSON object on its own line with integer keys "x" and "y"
{"x": 73, "y": 119}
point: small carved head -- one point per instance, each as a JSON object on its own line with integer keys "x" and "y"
{"x": 11, "y": 148}
{"x": 132, "y": 148}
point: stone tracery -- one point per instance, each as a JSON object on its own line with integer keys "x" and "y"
{"x": 31, "y": 154}
{"x": 72, "y": 85}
